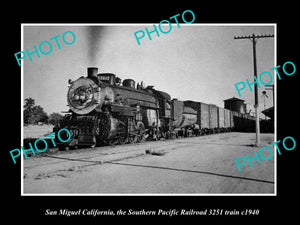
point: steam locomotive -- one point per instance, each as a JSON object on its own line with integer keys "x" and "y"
{"x": 103, "y": 110}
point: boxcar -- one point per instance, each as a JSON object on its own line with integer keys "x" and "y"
{"x": 202, "y": 110}
{"x": 228, "y": 120}
{"x": 221, "y": 119}
{"x": 237, "y": 121}
{"x": 213, "y": 118}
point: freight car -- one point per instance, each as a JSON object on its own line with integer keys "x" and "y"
{"x": 210, "y": 118}
{"x": 243, "y": 122}
{"x": 104, "y": 110}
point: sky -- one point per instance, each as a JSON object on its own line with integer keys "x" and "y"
{"x": 199, "y": 62}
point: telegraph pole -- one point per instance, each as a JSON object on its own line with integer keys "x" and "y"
{"x": 254, "y": 38}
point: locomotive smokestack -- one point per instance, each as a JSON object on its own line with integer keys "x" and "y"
{"x": 92, "y": 72}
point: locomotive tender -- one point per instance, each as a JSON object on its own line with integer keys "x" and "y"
{"x": 104, "y": 110}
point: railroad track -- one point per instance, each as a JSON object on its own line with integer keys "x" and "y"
{"x": 88, "y": 154}
{"x": 104, "y": 154}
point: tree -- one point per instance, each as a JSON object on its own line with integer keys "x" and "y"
{"x": 38, "y": 115}
{"x": 33, "y": 114}
{"x": 54, "y": 118}
{"x": 29, "y": 103}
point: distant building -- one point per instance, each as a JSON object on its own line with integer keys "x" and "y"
{"x": 269, "y": 113}
{"x": 235, "y": 104}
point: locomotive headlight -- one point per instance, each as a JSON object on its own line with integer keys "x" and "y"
{"x": 82, "y": 95}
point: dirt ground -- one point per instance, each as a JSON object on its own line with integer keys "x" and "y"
{"x": 197, "y": 165}
{"x": 37, "y": 131}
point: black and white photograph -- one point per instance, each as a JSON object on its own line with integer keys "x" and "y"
{"x": 141, "y": 116}
{"x": 168, "y": 116}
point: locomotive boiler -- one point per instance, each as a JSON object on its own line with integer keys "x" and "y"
{"x": 104, "y": 110}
